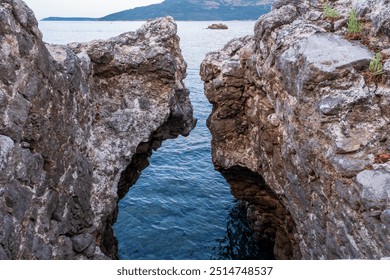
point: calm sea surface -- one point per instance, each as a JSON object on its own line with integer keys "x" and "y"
{"x": 180, "y": 208}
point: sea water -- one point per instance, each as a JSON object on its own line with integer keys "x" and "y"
{"x": 180, "y": 208}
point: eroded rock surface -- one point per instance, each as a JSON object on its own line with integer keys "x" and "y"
{"x": 217, "y": 26}
{"x": 77, "y": 125}
{"x": 295, "y": 106}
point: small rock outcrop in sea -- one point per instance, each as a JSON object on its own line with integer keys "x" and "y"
{"x": 77, "y": 125}
{"x": 217, "y": 26}
{"x": 300, "y": 127}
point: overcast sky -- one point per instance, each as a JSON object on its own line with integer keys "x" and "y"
{"x": 83, "y": 8}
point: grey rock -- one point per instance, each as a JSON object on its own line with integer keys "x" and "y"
{"x": 348, "y": 192}
{"x": 347, "y": 165}
{"x": 17, "y": 114}
{"x": 6, "y": 146}
{"x": 18, "y": 198}
{"x": 64, "y": 250}
{"x": 80, "y": 257}
{"x": 386, "y": 52}
{"x": 52, "y": 202}
{"x": 386, "y": 66}
{"x": 377, "y": 12}
{"x": 7, "y": 227}
{"x": 82, "y": 241}
{"x": 331, "y": 105}
{"x": 314, "y": 15}
{"x": 41, "y": 250}
{"x": 380, "y": 17}
{"x": 385, "y": 217}
{"x": 338, "y": 24}
{"x": 375, "y": 186}
{"x": 283, "y": 15}
{"x": 277, "y": 4}
{"x": 31, "y": 171}
{"x": 320, "y": 57}
{"x": 25, "y": 145}
{"x": 3, "y": 100}
{"x": 338, "y": 101}
{"x": 3, "y": 254}
{"x": 347, "y": 145}
{"x": 90, "y": 250}
{"x": 362, "y": 8}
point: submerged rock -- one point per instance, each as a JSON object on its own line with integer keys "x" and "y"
{"x": 293, "y": 108}
{"x": 77, "y": 125}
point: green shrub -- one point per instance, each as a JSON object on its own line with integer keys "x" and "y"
{"x": 330, "y": 13}
{"x": 376, "y": 67}
{"x": 354, "y": 25}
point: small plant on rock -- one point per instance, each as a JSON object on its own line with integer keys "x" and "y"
{"x": 375, "y": 73}
{"x": 330, "y": 13}
{"x": 376, "y": 67}
{"x": 354, "y": 26}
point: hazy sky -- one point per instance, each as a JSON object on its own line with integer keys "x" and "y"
{"x": 83, "y": 8}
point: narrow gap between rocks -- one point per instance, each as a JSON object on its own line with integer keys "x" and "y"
{"x": 267, "y": 216}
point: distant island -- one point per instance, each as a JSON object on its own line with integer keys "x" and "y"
{"x": 196, "y": 10}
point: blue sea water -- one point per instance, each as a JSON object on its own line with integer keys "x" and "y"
{"x": 180, "y": 208}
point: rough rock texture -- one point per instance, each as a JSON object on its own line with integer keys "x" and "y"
{"x": 77, "y": 125}
{"x": 301, "y": 129}
{"x": 217, "y": 26}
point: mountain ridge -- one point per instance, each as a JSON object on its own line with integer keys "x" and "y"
{"x": 179, "y": 10}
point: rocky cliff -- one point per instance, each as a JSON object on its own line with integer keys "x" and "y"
{"x": 77, "y": 125}
{"x": 300, "y": 127}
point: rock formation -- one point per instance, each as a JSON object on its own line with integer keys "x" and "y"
{"x": 217, "y": 26}
{"x": 77, "y": 125}
{"x": 300, "y": 128}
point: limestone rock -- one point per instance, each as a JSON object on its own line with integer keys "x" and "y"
{"x": 385, "y": 217}
{"x": 82, "y": 242}
{"x": 297, "y": 130}
{"x": 377, "y": 11}
{"x": 308, "y": 61}
{"x": 77, "y": 125}
{"x": 375, "y": 188}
